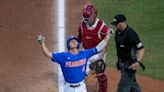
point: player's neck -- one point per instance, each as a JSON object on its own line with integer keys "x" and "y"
{"x": 74, "y": 51}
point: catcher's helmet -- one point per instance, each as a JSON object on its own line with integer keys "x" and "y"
{"x": 89, "y": 14}
{"x": 69, "y": 39}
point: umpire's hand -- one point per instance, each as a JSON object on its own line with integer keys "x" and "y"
{"x": 134, "y": 66}
{"x": 41, "y": 39}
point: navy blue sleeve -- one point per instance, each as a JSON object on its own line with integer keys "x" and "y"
{"x": 90, "y": 52}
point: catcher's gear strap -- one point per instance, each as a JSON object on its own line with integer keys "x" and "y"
{"x": 99, "y": 32}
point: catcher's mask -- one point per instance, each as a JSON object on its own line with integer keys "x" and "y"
{"x": 71, "y": 38}
{"x": 89, "y": 14}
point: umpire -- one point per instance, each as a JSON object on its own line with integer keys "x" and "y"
{"x": 130, "y": 51}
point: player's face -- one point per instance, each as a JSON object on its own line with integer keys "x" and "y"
{"x": 89, "y": 21}
{"x": 73, "y": 43}
{"x": 119, "y": 26}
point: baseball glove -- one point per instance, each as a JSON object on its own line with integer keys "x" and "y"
{"x": 98, "y": 66}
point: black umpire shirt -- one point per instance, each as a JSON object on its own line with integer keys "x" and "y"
{"x": 127, "y": 43}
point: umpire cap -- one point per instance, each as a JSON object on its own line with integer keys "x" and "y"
{"x": 118, "y": 18}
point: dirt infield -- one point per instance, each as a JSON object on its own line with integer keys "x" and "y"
{"x": 23, "y": 67}
{"x": 147, "y": 84}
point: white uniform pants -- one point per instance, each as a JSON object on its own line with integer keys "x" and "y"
{"x": 81, "y": 88}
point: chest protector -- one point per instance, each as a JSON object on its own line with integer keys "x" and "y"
{"x": 91, "y": 37}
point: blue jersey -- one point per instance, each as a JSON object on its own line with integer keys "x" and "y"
{"x": 73, "y": 66}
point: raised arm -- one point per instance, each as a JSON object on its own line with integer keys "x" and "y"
{"x": 103, "y": 43}
{"x": 41, "y": 40}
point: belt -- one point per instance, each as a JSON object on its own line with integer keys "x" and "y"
{"x": 74, "y": 86}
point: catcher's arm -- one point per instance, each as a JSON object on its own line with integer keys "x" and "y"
{"x": 41, "y": 40}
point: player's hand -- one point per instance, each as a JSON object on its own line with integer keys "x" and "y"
{"x": 134, "y": 66}
{"x": 110, "y": 31}
{"x": 41, "y": 39}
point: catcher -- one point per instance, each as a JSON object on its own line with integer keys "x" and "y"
{"x": 92, "y": 31}
{"x": 98, "y": 67}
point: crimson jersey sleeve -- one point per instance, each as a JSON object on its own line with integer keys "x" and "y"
{"x": 104, "y": 31}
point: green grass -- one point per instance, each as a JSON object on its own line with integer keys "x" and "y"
{"x": 146, "y": 17}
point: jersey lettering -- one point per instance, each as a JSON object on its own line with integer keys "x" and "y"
{"x": 75, "y": 63}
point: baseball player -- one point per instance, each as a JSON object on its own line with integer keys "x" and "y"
{"x": 92, "y": 31}
{"x": 73, "y": 63}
